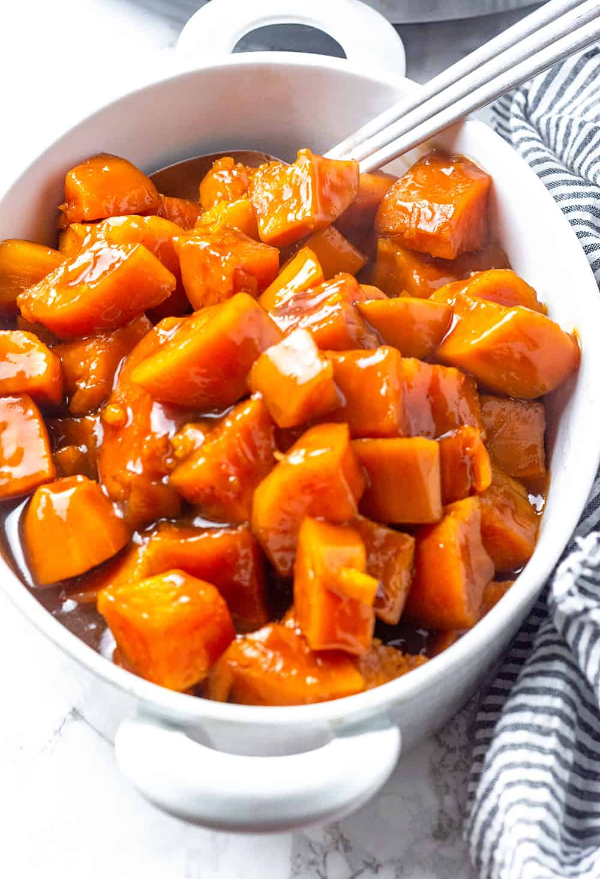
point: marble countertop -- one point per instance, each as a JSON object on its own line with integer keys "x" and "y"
{"x": 65, "y": 812}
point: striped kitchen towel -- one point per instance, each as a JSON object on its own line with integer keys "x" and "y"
{"x": 534, "y": 794}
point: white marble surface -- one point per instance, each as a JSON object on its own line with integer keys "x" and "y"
{"x": 65, "y": 813}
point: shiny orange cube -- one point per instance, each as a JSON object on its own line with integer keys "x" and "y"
{"x": 25, "y": 456}
{"x": 335, "y": 253}
{"x": 390, "y": 559}
{"x": 371, "y": 386}
{"x": 496, "y": 285}
{"x": 399, "y": 271}
{"x": 437, "y": 399}
{"x": 23, "y": 263}
{"x": 227, "y": 181}
{"x": 357, "y": 220}
{"x": 27, "y": 366}
{"x": 415, "y": 326}
{"x": 509, "y": 523}
{"x": 465, "y": 464}
{"x": 301, "y": 273}
{"x": 515, "y": 435}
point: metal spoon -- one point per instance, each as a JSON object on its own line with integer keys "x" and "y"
{"x": 182, "y": 179}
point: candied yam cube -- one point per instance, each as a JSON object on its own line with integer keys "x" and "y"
{"x": 439, "y": 207}
{"x": 370, "y": 384}
{"x": 189, "y": 439}
{"x": 70, "y": 240}
{"x": 496, "y": 285}
{"x": 206, "y": 361}
{"x": 515, "y": 432}
{"x": 89, "y": 365}
{"x": 399, "y": 271}
{"x": 69, "y": 527}
{"x": 512, "y": 351}
{"x": 171, "y": 627}
{"x": 452, "y": 568}
{"x": 295, "y": 380}
{"x": 37, "y": 330}
{"x": 217, "y": 265}
{"x": 464, "y": 463}
{"x": 220, "y": 477}
{"x": 75, "y": 442}
{"x": 301, "y": 273}
{"x": 414, "y": 326}
{"x": 509, "y": 524}
{"x": 237, "y": 214}
{"x": 104, "y": 286}
{"x": 384, "y": 663}
{"x": 106, "y": 186}
{"x": 227, "y": 180}
{"x": 291, "y": 201}
{"x": 333, "y": 594}
{"x": 335, "y": 253}
{"x": 27, "y": 366}
{"x": 489, "y": 257}
{"x": 319, "y": 476}
{"x": 492, "y": 594}
{"x": 390, "y": 558}
{"x": 357, "y": 220}
{"x": 275, "y": 666}
{"x": 437, "y": 399}
{"x": 403, "y": 480}
{"x": 181, "y": 211}
{"x": 23, "y": 263}
{"x": 25, "y": 456}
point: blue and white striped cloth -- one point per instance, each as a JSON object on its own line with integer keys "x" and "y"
{"x": 534, "y": 795}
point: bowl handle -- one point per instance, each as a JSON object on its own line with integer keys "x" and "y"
{"x": 250, "y": 794}
{"x": 366, "y": 37}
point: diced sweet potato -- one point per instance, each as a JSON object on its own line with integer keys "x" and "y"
{"x": 489, "y": 257}
{"x": 512, "y": 351}
{"x": 238, "y": 214}
{"x": 275, "y": 666}
{"x": 172, "y": 627}
{"x": 452, "y": 569}
{"x": 69, "y": 527}
{"x": 403, "y": 480}
{"x": 495, "y": 285}
{"x": 301, "y": 273}
{"x": 437, "y": 399}
{"x": 383, "y": 663}
{"x": 465, "y": 464}
{"x": 492, "y": 594}
{"x": 371, "y": 386}
{"x": 357, "y": 220}
{"x": 509, "y": 524}
{"x": 70, "y": 240}
{"x": 23, "y": 263}
{"x": 515, "y": 432}
{"x": 295, "y": 380}
{"x": 335, "y": 253}
{"x": 217, "y": 265}
{"x": 333, "y": 594}
{"x": 25, "y": 457}
{"x": 181, "y": 211}
{"x": 414, "y": 326}
{"x": 104, "y": 286}
{"x": 27, "y": 366}
{"x": 106, "y": 186}
{"x": 399, "y": 271}
{"x": 292, "y": 201}
{"x": 321, "y": 477}
{"x": 38, "y": 330}
{"x": 206, "y": 362}
{"x": 75, "y": 442}
{"x": 227, "y": 180}
{"x": 89, "y": 365}
{"x": 135, "y": 456}
{"x": 439, "y": 207}
{"x": 390, "y": 559}
{"x": 220, "y": 477}
{"x": 328, "y": 314}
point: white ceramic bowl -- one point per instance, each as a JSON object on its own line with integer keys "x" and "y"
{"x": 262, "y": 769}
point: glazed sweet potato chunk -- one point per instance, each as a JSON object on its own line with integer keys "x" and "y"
{"x": 383, "y": 663}
{"x": 216, "y": 265}
{"x": 390, "y": 559}
{"x": 512, "y": 351}
{"x": 25, "y": 456}
{"x": 181, "y": 211}
{"x": 403, "y": 480}
{"x": 509, "y": 524}
{"x": 414, "y": 326}
{"x": 206, "y": 362}
{"x": 439, "y": 207}
{"x": 333, "y": 594}
{"x": 437, "y": 399}
{"x": 38, "y": 330}
{"x": 275, "y": 666}
{"x": 106, "y": 186}
{"x": 227, "y": 180}
{"x": 238, "y": 214}
{"x": 515, "y": 431}
{"x": 465, "y": 464}
{"x": 301, "y": 273}
{"x": 371, "y": 386}
{"x": 27, "y": 366}
{"x": 357, "y": 220}
{"x": 75, "y": 442}
{"x": 335, "y": 253}
{"x": 23, "y": 263}
{"x": 295, "y": 380}
{"x": 496, "y": 285}
{"x": 492, "y": 594}
{"x": 319, "y": 476}
{"x": 69, "y": 527}
{"x": 452, "y": 568}
{"x": 171, "y": 628}
{"x": 221, "y": 476}
{"x": 104, "y": 286}
{"x": 399, "y": 271}
{"x": 292, "y": 201}
{"x": 89, "y": 365}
